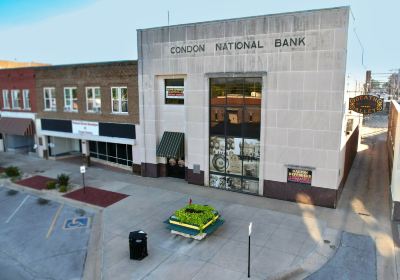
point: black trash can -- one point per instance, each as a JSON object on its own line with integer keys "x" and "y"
{"x": 137, "y": 245}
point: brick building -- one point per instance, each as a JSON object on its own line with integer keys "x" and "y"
{"x": 90, "y": 110}
{"x": 18, "y": 110}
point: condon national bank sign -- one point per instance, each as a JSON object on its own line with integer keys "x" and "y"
{"x": 240, "y": 45}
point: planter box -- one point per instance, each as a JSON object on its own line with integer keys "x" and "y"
{"x": 194, "y": 231}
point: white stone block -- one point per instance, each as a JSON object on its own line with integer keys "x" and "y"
{"x": 275, "y": 172}
{"x": 336, "y": 121}
{"x": 280, "y": 24}
{"x": 312, "y": 158}
{"x": 276, "y": 136}
{"x": 325, "y": 178}
{"x": 315, "y": 120}
{"x": 326, "y": 40}
{"x": 288, "y": 155}
{"x": 289, "y": 118}
{"x": 341, "y": 39}
{"x": 277, "y": 100}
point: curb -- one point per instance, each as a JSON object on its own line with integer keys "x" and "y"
{"x": 47, "y": 195}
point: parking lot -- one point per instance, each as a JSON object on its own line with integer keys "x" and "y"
{"x": 41, "y": 239}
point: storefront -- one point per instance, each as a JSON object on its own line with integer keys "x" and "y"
{"x": 90, "y": 111}
{"x": 18, "y": 110}
{"x": 109, "y": 143}
{"x": 260, "y": 103}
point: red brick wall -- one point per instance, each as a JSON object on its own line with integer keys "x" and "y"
{"x": 20, "y": 78}
{"x": 104, "y": 75}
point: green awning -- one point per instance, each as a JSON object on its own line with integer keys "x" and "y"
{"x": 172, "y": 145}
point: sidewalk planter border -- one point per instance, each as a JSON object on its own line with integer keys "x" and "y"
{"x": 194, "y": 221}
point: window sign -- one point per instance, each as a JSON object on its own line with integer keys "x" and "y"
{"x": 85, "y": 128}
{"x": 174, "y": 91}
{"x": 301, "y": 176}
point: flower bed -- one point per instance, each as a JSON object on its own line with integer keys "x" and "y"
{"x": 194, "y": 221}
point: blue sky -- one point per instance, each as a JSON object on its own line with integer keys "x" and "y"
{"x": 74, "y": 31}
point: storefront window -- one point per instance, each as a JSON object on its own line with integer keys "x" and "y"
{"x": 234, "y": 91}
{"x": 252, "y": 120}
{"x": 252, "y": 91}
{"x": 174, "y": 91}
{"x": 111, "y": 152}
{"x": 217, "y": 154}
{"x": 235, "y": 119}
{"x": 217, "y": 119}
{"x": 218, "y": 95}
{"x": 233, "y": 156}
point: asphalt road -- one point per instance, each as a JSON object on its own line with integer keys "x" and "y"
{"x": 33, "y": 241}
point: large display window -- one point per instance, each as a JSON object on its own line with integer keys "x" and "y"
{"x": 235, "y": 119}
{"x": 111, "y": 152}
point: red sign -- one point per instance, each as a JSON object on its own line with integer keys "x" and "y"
{"x": 300, "y": 176}
{"x": 174, "y": 92}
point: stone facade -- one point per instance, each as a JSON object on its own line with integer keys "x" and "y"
{"x": 301, "y": 58}
{"x": 103, "y": 75}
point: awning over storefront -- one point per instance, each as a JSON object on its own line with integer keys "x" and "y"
{"x": 172, "y": 145}
{"x": 17, "y": 126}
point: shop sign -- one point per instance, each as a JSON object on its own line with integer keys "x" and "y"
{"x": 176, "y": 92}
{"x": 85, "y": 128}
{"x": 301, "y": 176}
{"x": 366, "y": 104}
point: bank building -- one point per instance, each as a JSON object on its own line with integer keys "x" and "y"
{"x": 254, "y": 105}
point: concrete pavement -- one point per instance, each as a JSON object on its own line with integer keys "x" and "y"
{"x": 282, "y": 226}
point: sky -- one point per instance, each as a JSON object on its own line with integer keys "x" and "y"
{"x": 75, "y": 31}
